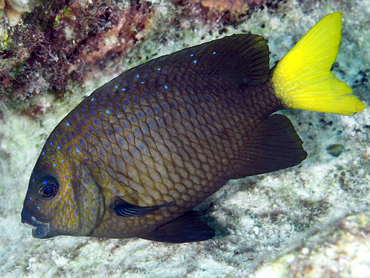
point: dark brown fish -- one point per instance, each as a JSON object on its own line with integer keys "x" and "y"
{"x": 135, "y": 157}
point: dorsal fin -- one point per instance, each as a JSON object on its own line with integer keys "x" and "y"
{"x": 243, "y": 57}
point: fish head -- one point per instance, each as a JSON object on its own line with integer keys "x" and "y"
{"x": 58, "y": 200}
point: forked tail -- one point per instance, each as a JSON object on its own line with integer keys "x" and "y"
{"x": 303, "y": 80}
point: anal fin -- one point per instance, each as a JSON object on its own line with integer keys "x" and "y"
{"x": 275, "y": 145}
{"x": 187, "y": 228}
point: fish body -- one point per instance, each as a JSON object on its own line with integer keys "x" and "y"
{"x": 136, "y": 156}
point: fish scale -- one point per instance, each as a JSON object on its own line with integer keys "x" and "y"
{"x": 140, "y": 152}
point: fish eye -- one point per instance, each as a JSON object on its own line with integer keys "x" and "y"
{"x": 49, "y": 187}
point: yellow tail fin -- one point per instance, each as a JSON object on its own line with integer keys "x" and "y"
{"x": 303, "y": 80}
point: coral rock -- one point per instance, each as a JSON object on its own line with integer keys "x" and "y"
{"x": 15, "y": 8}
{"x": 232, "y": 5}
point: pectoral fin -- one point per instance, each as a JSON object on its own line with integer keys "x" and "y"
{"x": 186, "y": 228}
{"x": 125, "y": 209}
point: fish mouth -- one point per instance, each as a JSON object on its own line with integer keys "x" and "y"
{"x": 39, "y": 229}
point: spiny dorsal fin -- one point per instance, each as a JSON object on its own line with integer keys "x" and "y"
{"x": 243, "y": 57}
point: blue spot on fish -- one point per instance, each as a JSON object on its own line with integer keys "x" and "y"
{"x": 92, "y": 99}
{"x": 51, "y": 143}
{"x": 159, "y": 69}
{"x": 123, "y": 90}
{"x": 54, "y": 164}
{"x": 43, "y": 153}
{"x": 107, "y": 112}
{"x": 68, "y": 124}
{"x": 195, "y": 61}
{"x": 191, "y": 55}
{"x": 78, "y": 150}
{"x": 116, "y": 87}
{"x": 138, "y": 76}
{"x": 58, "y": 147}
{"x": 214, "y": 53}
{"x": 165, "y": 87}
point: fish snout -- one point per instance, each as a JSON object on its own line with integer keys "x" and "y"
{"x": 39, "y": 229}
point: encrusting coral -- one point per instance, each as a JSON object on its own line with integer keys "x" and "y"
{"x": 65, "y": 41}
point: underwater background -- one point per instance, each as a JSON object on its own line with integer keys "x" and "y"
{"x": 310, "y": 220}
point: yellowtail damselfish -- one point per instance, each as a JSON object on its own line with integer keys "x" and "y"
{"x": 136, "y": 156}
